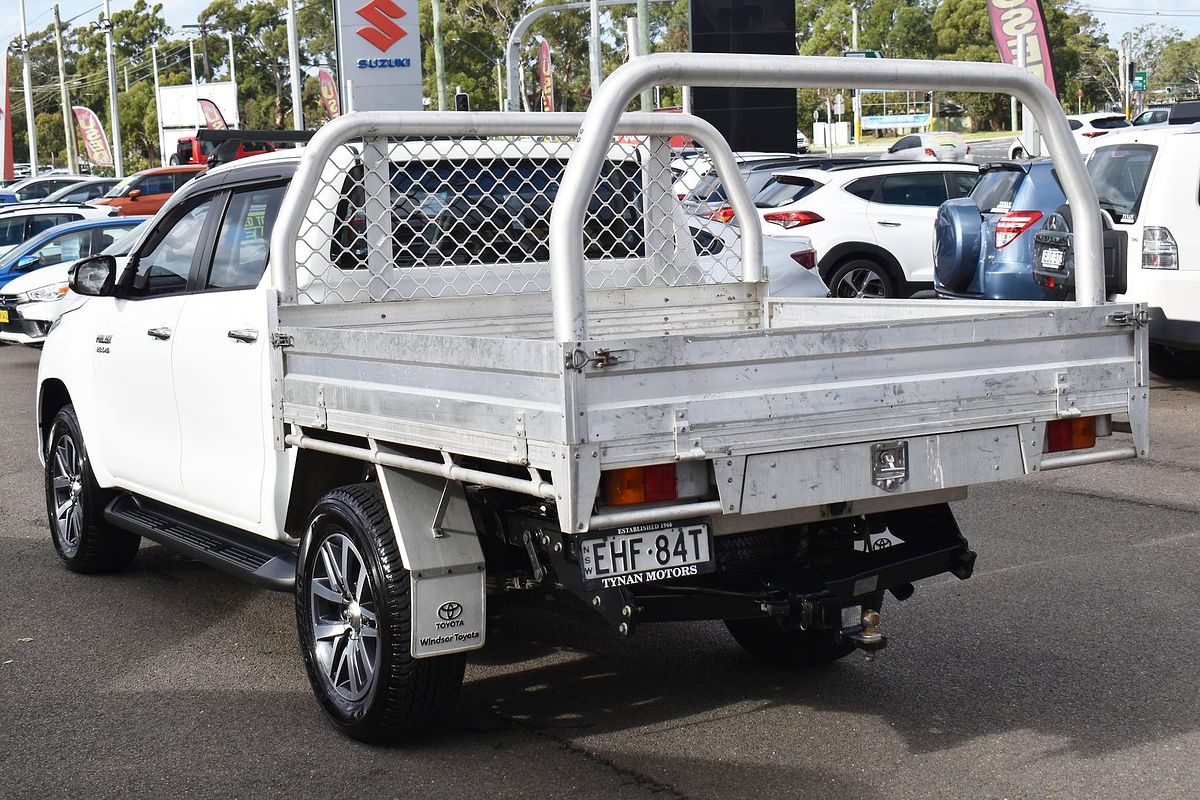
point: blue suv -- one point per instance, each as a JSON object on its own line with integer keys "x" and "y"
{"x": 983, "y": 245}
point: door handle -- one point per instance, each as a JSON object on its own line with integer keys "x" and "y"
{"x": 161, "y": 334}
{"x": 247, "y": 335}
{"x": 888, "y": 223}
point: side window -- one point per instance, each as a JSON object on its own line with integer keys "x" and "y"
{"x": 103, "y": 237}
{"x": 78, "y": 196}
{"x": 68, "y": 247}
{"x": 907, "y": 142}
{"x": 1075, "y": 124}
{"x": 164, "y": 268}
{"x": 863, "y": 188}
{"x": 913, "y": 189}
{"x": 180, "y": 178}
{"x": 157, "y": 184}
{"x": 241, "y": 253}
{"x": 12, "y": 231}
{"x": 963, "y": 183}
{"x": 43, "y": 222}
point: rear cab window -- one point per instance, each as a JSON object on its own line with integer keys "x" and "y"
{"x": 1109, "y": 123}
{"x": 1119, "y": 173}
{"x": 785, "y": 189}
{"x": 996, "y": 190}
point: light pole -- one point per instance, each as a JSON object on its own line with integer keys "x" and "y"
{"x": 294, "y": 67}
{"x": 439, "y": 55}
{"x": 105, "y": 25}
{"x": 26, "y": 72}
{"x": 512, "y": 53}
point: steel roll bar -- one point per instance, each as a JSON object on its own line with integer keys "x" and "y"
{"x": 358, "y": 125}
{"x": 789, "y": 72}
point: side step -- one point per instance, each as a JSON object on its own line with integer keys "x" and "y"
{"x": 263, "y": 561}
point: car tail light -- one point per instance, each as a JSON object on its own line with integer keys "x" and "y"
{"x": 1070, "y": 434}
{"x": 681, "y": 195}
{"x": 793, "y": 219}
{"x": 722, "y": 214}
{"x": 929, "y": 151}
{"x": 632, "y": 485}
{"x": 1159, "y": 250}
{"x": 1094, "y": 134}
{"x": 806, "y": 258}
{"x": 1013, "y": 224}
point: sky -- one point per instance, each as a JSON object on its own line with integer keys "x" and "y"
{"x": 1118, "y": 16}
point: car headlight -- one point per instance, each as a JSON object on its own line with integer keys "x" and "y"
{"x": 44, "y": 294}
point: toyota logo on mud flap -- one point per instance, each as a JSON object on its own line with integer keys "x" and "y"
{"x": 450, "y": 612}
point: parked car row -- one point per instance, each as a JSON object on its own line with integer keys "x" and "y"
{"x": 1011, "y": 239}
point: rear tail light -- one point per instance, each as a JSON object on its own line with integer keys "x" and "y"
{"x": 681, "y": 195}
{"x": 793, "y": 219}
{"x": 1013, "y": 224}
{"x": 929, "y": 151}
{"x": 1070, "y": 434}
{"x": 1094, "y": 134}
{"x": 629, "y": 486}
{"x": 806, "y": 258}
{"x": 722, "y": 214}
{"x": 1159, "y": 250}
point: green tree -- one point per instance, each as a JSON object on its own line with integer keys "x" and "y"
{"x": 1179, "y": 65}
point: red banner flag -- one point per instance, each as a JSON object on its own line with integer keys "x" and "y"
{"x": 95, "y": 143}
{"x": 546, "y": 76}
{"x": 6, "y": 145}
{"x": 329, "y": 94}
{"x": 1014, "y": 20}
{"x": 213, "y": 118}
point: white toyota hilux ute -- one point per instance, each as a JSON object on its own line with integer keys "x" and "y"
{"x": 435, "y": 359}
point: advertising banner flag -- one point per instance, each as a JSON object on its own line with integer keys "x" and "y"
{"x": 1014, "y": 19}
{"x": 329, "y": 94}
{"x": 91, "y": 133}
{"x": 6, "y": 144}
{"x": 546, "y": 76}
{"x": 213, "y": 118}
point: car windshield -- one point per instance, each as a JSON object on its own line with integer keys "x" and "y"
{"x": 124, "y": 243}
{"x": 709, "y": 189}
{"x": 996, "y": 190}
{"x": 121, "y": 188}
{"x": 784, "y": 189}
{"x": 1119, "y": 174}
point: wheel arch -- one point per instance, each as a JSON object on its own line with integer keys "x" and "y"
{"x": 841, "y": 253}
{"x": 315, "y": 474}
{"x": 53, "y": 396}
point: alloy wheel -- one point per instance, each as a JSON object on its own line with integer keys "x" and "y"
{"x": 67, "y": 486}
{"x": 861, "y": 282}
{"x": 344, "y": 623}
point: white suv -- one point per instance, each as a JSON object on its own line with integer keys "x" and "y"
{"x": 871, "y": 223}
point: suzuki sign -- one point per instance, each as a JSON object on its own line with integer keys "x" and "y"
{"x": 379, "y": 54}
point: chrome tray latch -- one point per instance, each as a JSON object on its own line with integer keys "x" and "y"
{"x": 889, "y": 464}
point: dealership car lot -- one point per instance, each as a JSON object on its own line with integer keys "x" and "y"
{"x": 1063, "y": 670}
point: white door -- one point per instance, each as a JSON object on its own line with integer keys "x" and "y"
{"x": 902, "y": 215}
{"x": 134, "y": 349}
{"x": 221, "y": 367}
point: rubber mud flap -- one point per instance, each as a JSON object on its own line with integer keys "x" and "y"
{"x": 958, "y": 239}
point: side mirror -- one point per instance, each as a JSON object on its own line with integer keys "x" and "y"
{"x": 93, "y": 277}
{"x": 29, "y": 261}
{"x": 134, "y": 194}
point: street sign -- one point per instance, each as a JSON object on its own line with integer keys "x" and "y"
{"x": 839, "y": 105}
{"x": 1139, "y": 81}
{"x": 379, "y": 54}
{"x": 862, "y": 54}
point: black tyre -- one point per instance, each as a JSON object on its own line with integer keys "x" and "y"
{"x": 173, "y": 161}
{"x": 766, "y": 639}
{"x": 75, "y": 505}
{"x": 861, "y": 277}
{"x": 1174, "y": 365}
{"x": 353, "y": 613}
{"x": 1018, "y": 154}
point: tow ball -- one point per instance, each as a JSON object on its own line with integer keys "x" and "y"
{"x": 866, "y": 635}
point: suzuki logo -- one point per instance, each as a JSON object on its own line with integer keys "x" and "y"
{"x": 385, "y": 32}
{"x": 450, "y": 611}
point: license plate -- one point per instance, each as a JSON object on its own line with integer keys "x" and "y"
{"x": 646, "y": 553}
{"x": 3, "y": 315}
{"x": 1053, "y": 259}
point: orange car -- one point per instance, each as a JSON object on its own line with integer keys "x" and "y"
{"x": 145, "y": 192}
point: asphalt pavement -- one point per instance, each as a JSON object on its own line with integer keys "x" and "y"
{"x": 1065, "y": 668}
